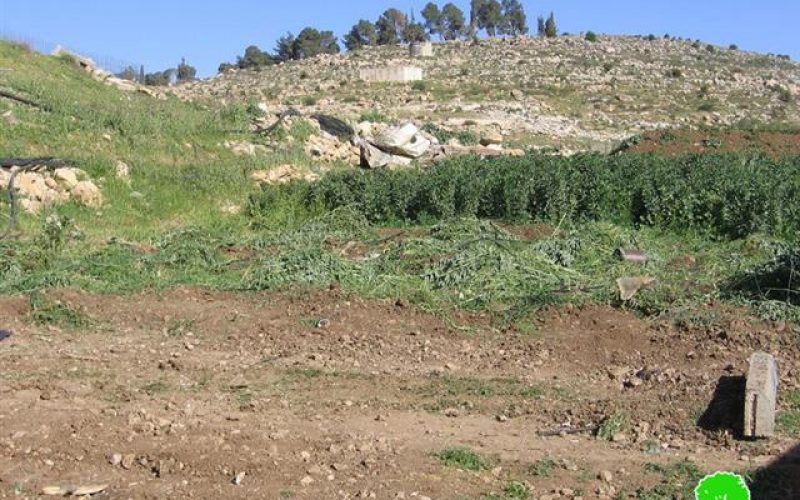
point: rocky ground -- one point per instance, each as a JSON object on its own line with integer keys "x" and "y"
{"x": 564, "y": 92}
{"x": 319, "y": 394}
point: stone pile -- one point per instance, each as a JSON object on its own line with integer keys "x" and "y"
{"x": 38, "y": 189}
{"x": 102, "y": 75}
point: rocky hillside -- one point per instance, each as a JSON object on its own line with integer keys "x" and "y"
{"x": 565, "y": 92}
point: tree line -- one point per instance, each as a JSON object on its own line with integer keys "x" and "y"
{"x": 183, "y": 72}
{"x": 492, "y": 17}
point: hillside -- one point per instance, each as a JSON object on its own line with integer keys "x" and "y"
{"x": 564, "y": 91}
{"x": 511, "y": 324}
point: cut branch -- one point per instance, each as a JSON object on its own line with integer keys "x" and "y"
{"x": 23, "y": 100}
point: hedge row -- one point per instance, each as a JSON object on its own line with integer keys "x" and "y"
{"x": 722, "y": 195}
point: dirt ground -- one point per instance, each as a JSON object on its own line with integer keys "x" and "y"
{"x": 680, "y": 141}
{"x": 320, "y": 394}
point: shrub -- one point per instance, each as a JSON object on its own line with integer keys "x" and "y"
{"x": 733, "y": 46}
{"x": 675, "y": 73}
{"x": 591, "y": 36}
{"x": 419, "y": 86}
{"x": 722, "y": 195}
{"x": 309, "y": 100}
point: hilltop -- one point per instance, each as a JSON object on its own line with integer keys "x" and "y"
{"x": 565, "y": 91}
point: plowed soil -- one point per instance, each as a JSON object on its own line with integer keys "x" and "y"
{"x": 674, "y": 142}
{"x": 320, "y": 394}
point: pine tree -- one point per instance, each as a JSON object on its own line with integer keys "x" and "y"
{"x": 185, "y": 72}
{"x": 490, "y": 17}
{"x": 550, "y": 27}
{"x": 391, "y": 25}
{"x": 454, "y": 25}
{"x": 541, "y": 29}
{"x": 433, "y": 19}
{"x": 516, "y": 22}
{"x": 361, "y": 35}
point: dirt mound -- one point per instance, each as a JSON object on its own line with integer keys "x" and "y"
{"x": 321, "y": 394}
{"x": 675, "y": 142}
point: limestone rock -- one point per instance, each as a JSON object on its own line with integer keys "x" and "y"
{"x": 491, "y": 138}
{"x": 404, "y": 140}
{"x": 282, "y": 175}
{"x": 88, "y": 193}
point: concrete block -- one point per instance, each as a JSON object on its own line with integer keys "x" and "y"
{"x": 391, "y": 74}
{"x": 424, "y": 49}
{"x": 761, "y": 396}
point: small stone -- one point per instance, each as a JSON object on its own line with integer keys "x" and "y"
{"x": 452, "y": 413}
{"x": 307, "y": 481}
{"x": 239, "y": 478}
{"x": 128, "y": 461}
{"x": 115, "y": 459}
{"x": 606, "y": 476}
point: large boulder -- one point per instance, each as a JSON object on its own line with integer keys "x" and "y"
{"x": 404, "y": 140}
{"x": 373, "y": 157}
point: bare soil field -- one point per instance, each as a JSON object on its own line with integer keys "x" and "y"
{"x": 676, "y": 142}
{"x": 320, "y": 394}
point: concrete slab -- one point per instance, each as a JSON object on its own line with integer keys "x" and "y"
{"x": 391, "y": 74}
{"x": 761, "y": 396}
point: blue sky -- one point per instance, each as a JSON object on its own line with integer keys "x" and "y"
{"x": 158, "y": 33}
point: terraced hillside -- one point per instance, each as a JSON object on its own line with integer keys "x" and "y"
{"x": 565, "y": 91}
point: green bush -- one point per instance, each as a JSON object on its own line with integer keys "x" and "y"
{"x": 591, "y": 36}
{"x": 719, "y": 195}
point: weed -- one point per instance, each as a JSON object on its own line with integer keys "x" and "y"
{"x": 301, "y": 130}
{"x": 517, "y": 491}
{"x": 374, "y": 116}
{"x": 611, "y": 426}
{"x": 53, "y": 312}
{"x": 543, "y": 467}
{"x": 419, "y": 86}
{"x": 679, "y": 480}
{"x": 180, "y": 327}
{"x": 309, "y": 100}
{"x": 155, "y": 387}
{"x": 789, "y": 417}
{"x": 463, "y": 458}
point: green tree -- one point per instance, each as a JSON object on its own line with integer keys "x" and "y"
{"x": 284, "y": 48}
{"x": 516, "y": 21}
{"x": 391, "y": 25}
{"x": 433, "y": 19}
{"x": 185, "y": 72}
{"x": 415, "y": 32}
{"x": 361, "y": 35}
{"x": 541, "y": 28}
{"x": 225, "y": 67}
{"x": 490, "y": 17}
{"x": 475, "y": 7}
{"x": 159, "y": 78}
{"x": 550, "y": 27}
{"x": 311, "y": 42}
{"x": 128, "y": 73}
{"x": 141, "y": 74}
{"x": 454, "y": 25}
{"x": 254, "y": 57}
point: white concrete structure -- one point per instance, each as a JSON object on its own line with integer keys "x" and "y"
{"x": 391, "y": 74}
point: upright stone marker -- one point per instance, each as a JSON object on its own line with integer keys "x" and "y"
{"x": 761, "y": 396}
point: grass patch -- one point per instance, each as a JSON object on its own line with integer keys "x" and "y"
{"x": 789, "y": 417}
{"x": 517, "y": 491}
{"x": 679, "y": 480}
{"x": 44, "y": 311}
{"x": 463, "y": 458}
{"x": 612, "y": 426}
{"x": 543, "y": 467}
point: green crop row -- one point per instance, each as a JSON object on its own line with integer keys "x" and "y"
{"x": 729, "y": 196}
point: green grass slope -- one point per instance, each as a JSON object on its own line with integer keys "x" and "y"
{"x": 180, "y": 172}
